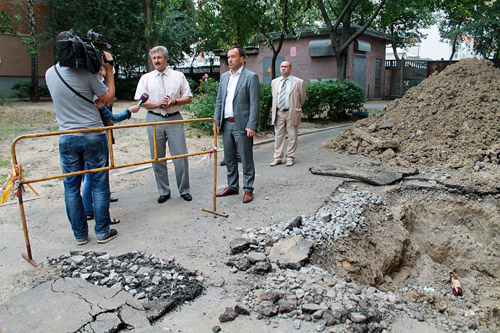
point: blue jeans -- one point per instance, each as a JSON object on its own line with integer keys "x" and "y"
{"x": 77, "y": 153}
{"x": 88, "y": 203}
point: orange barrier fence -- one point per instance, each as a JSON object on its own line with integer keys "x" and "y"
{"x": 21, "y": 181}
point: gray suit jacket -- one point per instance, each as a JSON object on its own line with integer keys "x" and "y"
{"x": 245, "y": 103}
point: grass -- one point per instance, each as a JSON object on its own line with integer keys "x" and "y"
{"x": 17, "y": 122}
{"x": 4, "y": 163}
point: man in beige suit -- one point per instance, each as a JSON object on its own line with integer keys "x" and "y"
{"x": 289, "y": 93}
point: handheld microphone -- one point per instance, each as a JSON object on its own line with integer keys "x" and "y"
{"x": 144, "y": 97}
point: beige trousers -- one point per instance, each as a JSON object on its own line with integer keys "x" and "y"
{"x": 282, "y": 125}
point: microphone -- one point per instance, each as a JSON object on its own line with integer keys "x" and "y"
{"x": 144, "y": 97}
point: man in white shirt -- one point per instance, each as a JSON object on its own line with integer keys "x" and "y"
{"x": 236, "y": 115}
{"x": 168, "y": 90}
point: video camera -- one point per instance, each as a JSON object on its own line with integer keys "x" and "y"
{"x": 78, "y": 52}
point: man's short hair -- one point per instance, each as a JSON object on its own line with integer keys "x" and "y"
{"x": 158, "y": 48}
{"x": 240, "y": 50}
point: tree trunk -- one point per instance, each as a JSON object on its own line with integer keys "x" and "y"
{"x": 341, "y": 65}
{"x": 35, "y": 97}
{"x": 148, "y": 23}
{"x": 453, "y": 49}
{"x": 395, "y": 50}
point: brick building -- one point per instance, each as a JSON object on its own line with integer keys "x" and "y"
{"x": 15, "y": 63}
{"x": 312, "y": 58}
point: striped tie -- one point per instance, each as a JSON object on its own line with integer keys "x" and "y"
{"x": 281, "y": 103}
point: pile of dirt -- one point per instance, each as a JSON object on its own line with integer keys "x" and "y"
{"x": 451, "y": 121}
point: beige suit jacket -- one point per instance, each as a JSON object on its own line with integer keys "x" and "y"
{"x": 296, "y": 99}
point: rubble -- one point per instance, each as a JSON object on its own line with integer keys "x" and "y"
{"x": 159, "y": 285}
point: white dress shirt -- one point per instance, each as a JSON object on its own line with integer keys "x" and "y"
{"x": 231, "y": 88}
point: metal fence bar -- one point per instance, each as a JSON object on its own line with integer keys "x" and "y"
{"x": 112, "y": 166}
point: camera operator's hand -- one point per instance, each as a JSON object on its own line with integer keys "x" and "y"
{"x": 100, "y": 103}
{"x": 108, "y": 61}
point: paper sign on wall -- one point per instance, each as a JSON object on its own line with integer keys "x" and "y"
{"x": 293, "y": 51}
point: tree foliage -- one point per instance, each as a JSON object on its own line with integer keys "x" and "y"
{"x": 404, "y": 19}
{"x": 174, "y": 26}
{"x": 122, "y": 24}
{"x": 457, "y": 14}
{"x": 224, "y": 23}
{"x": 118, "y": 21}
{"x": 485, "y": 29}
{"x": 5, "y": 23}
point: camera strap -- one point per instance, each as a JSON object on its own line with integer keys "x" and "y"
{"x": 71, "y": 88}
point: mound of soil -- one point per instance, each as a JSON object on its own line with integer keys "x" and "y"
{"x": 451, "y": 121}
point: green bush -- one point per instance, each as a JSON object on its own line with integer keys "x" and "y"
{"x": 332, "y": 99}
{"x": 203, "y": 106}
{"x": 193, "y": 85}
{"x": 265, "y": 107}
{"x": 22, "y": 89}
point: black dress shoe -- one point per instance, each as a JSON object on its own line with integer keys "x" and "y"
{"x": 163, "y": 198}
{"x": 113, "y": 199}
{"x": 187, "y": 197}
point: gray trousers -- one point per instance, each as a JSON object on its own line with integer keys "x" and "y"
{"x": 173, "y": 134}
{"x": 236, "y": 141}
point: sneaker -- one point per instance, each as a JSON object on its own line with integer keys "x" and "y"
{"x": 82, "y": 241}
{"x": 113, "y": 233}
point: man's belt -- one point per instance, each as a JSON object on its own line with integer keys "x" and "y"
{"x": 230, "y": 119}
{"x": 166, "y": 115}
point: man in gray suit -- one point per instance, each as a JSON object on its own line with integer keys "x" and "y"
{"x": 236, "y": 115}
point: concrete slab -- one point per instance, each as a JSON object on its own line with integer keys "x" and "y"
{"x": 70, "y": 305}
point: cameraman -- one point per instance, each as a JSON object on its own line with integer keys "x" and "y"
{"x": 83, "y": 149}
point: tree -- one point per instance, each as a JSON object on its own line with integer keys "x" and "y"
{"x": 25, "y": 15}
{"x": 225, "y": 23}
{"x": 33, "y": 51}
{"x": 457, "y": 14}
{"x": 484, "y": 28}
{"x": 403, "y": 19}
{"x": 132, "y": 27}
{"x": 278, "y": 20}
{"x": 118, "y": 21}
{"x": 339, "y": 14}
{"x": 172, "y": 24}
